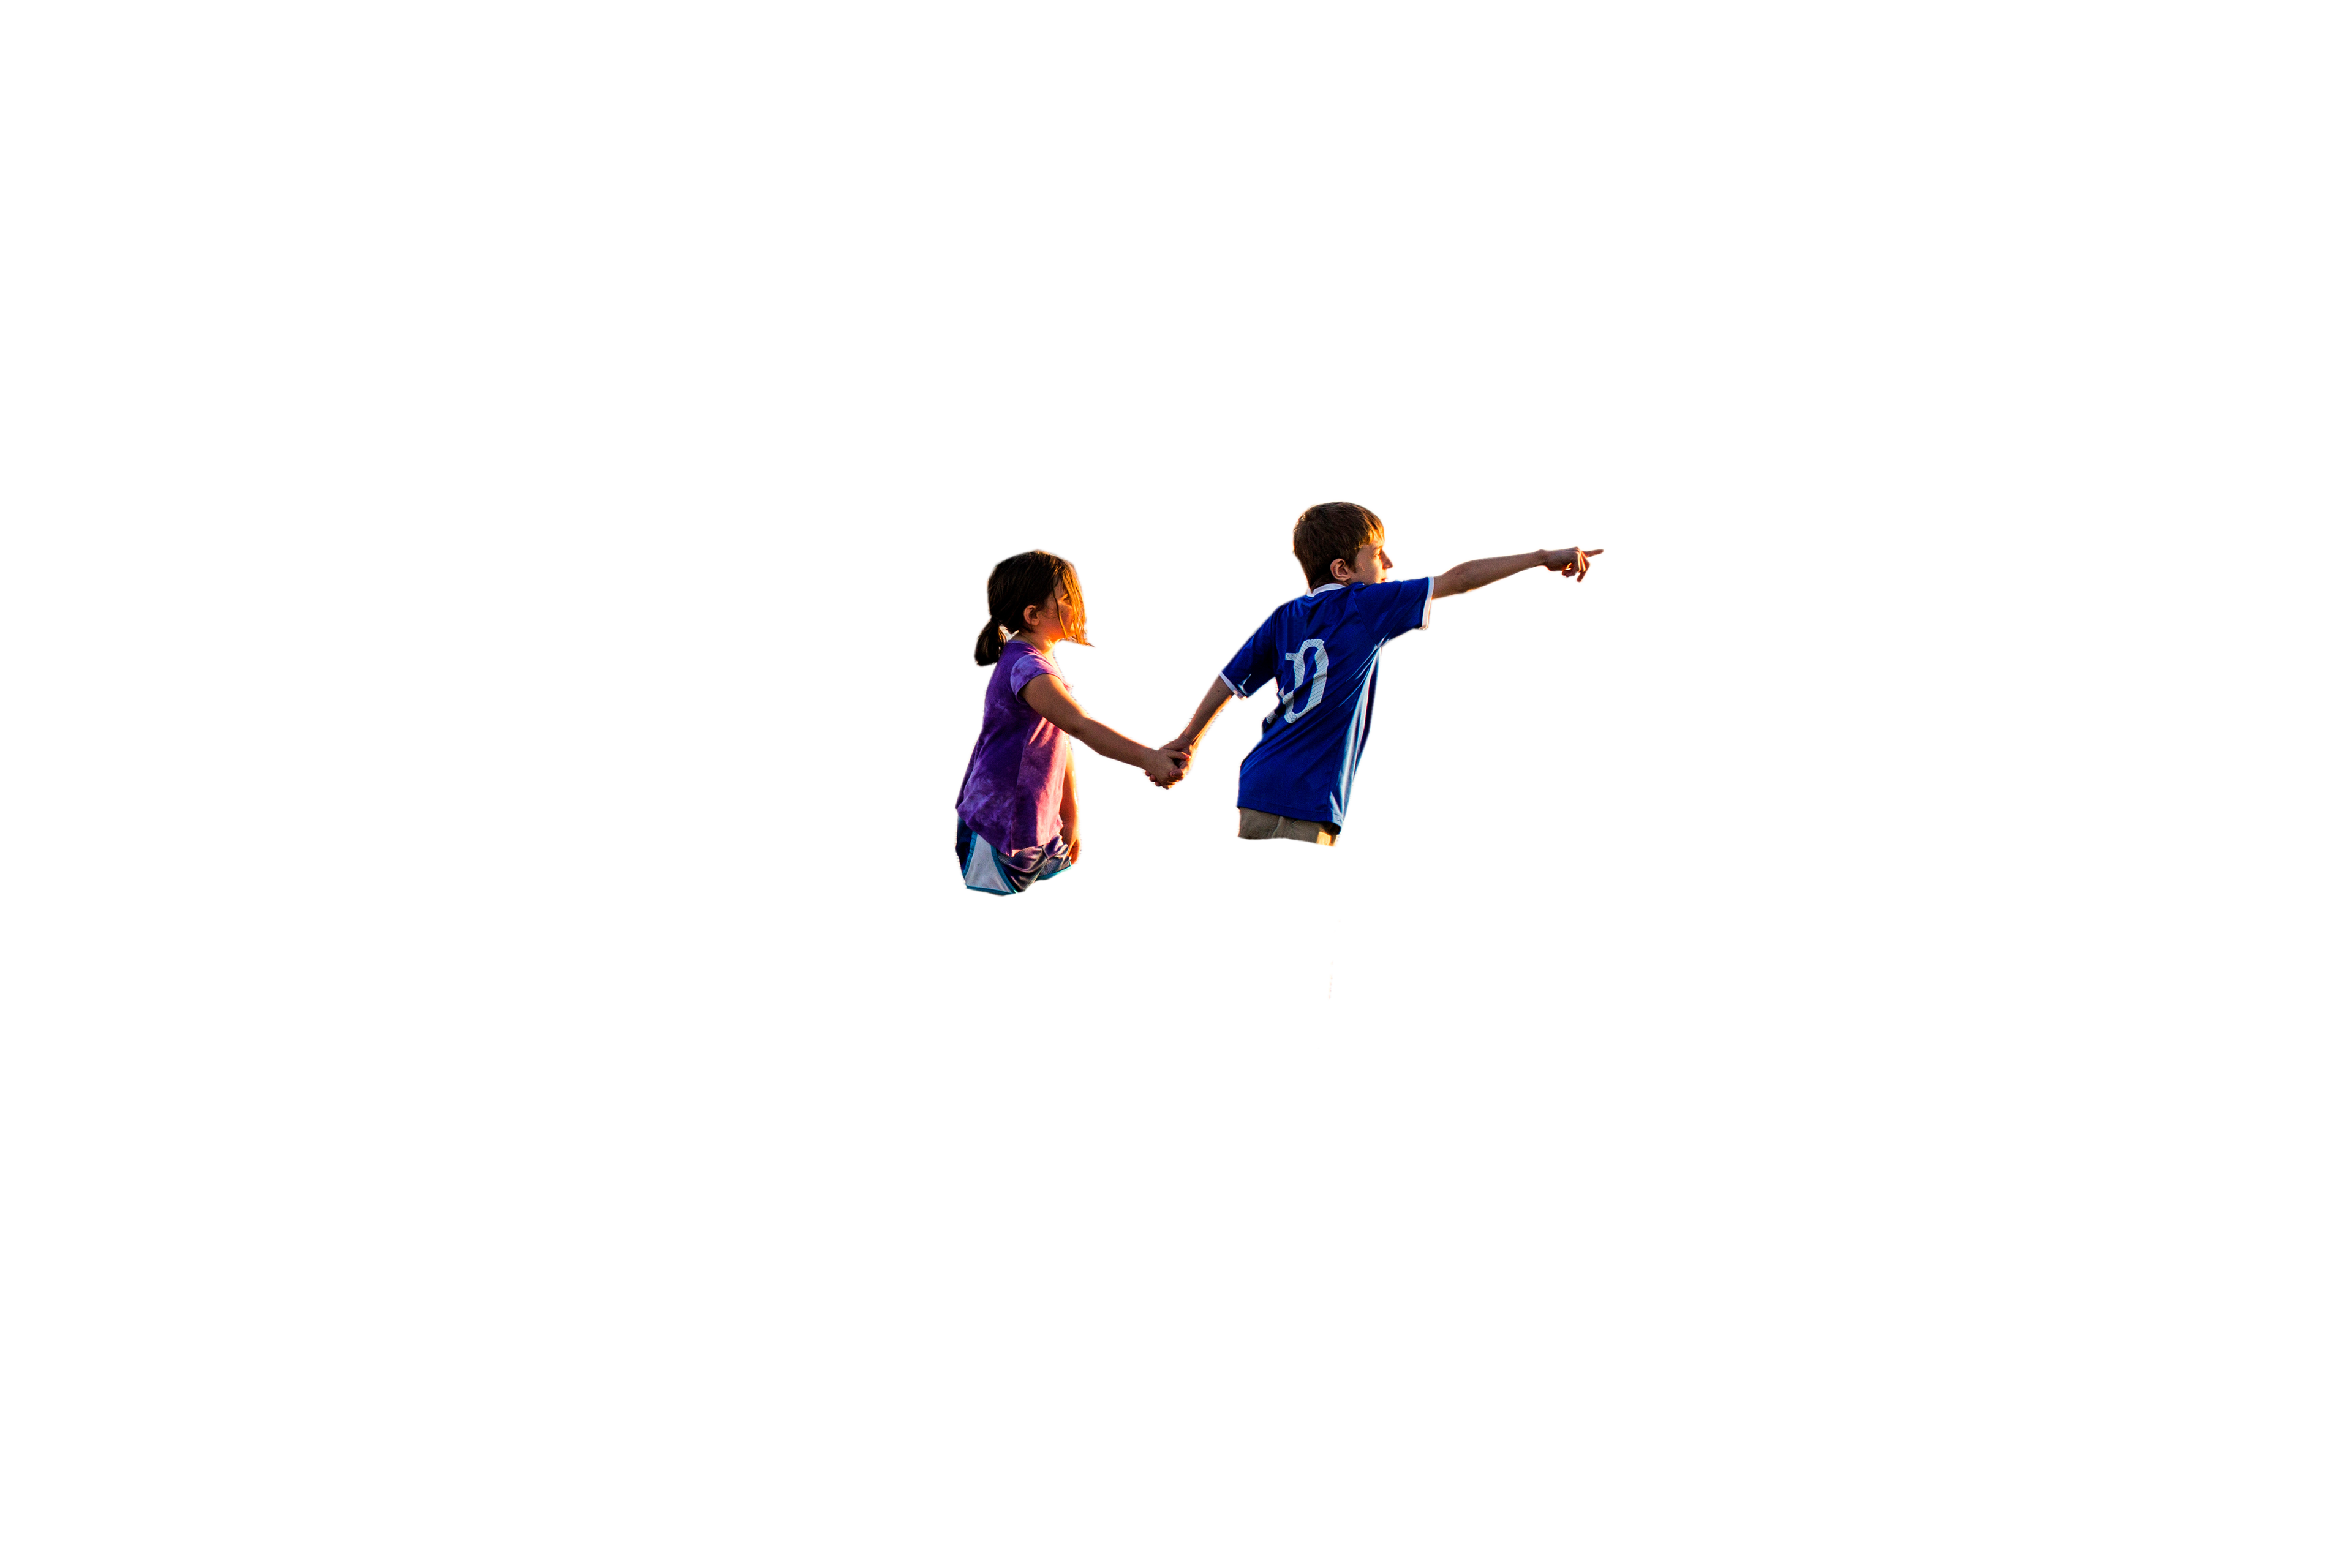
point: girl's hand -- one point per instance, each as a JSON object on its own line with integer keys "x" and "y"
{"x": 1166, "y": 767}
{"x": 1070, "y": 842}
{"x": 1181, "y": 751}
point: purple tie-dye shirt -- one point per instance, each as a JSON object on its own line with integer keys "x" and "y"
{"x": 1012, "y": 787}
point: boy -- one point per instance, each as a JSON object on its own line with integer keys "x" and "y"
{"x": 1323, "y": 652}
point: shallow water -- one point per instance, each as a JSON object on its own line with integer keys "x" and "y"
{"x": 1148, "y": 842}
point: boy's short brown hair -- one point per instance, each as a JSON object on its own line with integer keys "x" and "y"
{"x": 1332, "y": 532}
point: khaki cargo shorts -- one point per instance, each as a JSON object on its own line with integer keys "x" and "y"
{"x": 1292, "y": 871}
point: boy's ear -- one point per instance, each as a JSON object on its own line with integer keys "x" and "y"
{"x": 1341, "y": 570}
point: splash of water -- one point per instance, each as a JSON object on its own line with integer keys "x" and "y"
{"x": 1366, "y": 1037}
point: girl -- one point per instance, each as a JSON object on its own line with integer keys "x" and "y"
{"x": 1017, "y": 818}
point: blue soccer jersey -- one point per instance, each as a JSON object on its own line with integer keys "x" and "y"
{"x": 1323, "y": 653}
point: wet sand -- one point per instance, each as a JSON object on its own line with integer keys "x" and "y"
{"x": 1494, "y": 605}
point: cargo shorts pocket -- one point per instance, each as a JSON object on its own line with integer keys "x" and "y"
{"x": 1285, "y": 906}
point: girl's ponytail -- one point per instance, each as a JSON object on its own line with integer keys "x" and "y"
{"x": 990, "y": 644}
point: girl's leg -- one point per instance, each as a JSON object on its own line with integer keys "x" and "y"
{"x": 1316, "y": 981}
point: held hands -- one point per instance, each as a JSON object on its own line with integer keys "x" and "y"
{"x": 1169, "y": 765}
{"x": 1569, "y": 562}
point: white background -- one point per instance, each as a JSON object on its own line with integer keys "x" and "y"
{"x": 1824, "y": 1043}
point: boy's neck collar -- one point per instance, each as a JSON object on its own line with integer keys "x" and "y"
{"x": 1326, "y": 588}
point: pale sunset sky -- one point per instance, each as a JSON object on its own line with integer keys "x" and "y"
{"x": 1426, "y": 537}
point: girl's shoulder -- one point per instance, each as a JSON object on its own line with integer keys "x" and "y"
{"x": 1024, "y": 657}
{"x": 1022, "y": 663}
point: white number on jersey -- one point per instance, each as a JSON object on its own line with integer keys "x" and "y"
{"x": 1291, "y": 712}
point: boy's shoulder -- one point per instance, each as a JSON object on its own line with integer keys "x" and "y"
{"x": 1335, "y": 601}
{"x": 1289, "y": 612}
{"x": 1317, "y": 597}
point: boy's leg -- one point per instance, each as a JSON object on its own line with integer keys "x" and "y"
{"x": 1313, "y": 972}
{"x": 1266, "y": 824}
{"x": 1257, "y": 831}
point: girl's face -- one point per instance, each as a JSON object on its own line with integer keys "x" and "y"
{"x": 1047, "y": 623}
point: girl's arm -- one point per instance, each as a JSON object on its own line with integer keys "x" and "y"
{"x": 1070, "y": 809}
{"x": 1052, "y": 701}
{"x": 1568, "y": 563}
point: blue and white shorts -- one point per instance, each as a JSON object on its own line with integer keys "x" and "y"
{"x": 988, "y": 869}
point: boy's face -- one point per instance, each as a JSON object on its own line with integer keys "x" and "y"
{"x": 1372, "y": 564}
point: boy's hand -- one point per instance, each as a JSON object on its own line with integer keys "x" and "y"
{"x": 1569, "y": 562}
{"x": 1168, "y": 766}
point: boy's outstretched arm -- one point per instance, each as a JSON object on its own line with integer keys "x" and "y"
{"x": 1568, "y": 563}
{"x": 1202, "y": 717}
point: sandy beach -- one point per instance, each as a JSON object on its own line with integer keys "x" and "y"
{"x": 1494, "y": 605}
